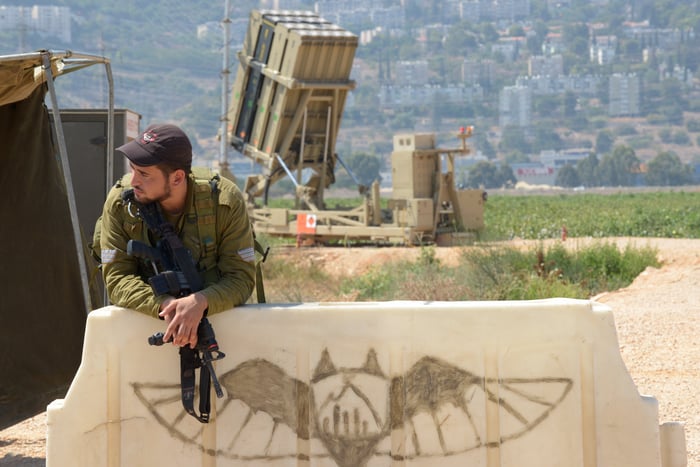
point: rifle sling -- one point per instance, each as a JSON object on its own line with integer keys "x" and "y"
{"x": 189, "y": 362}
{"x": 189, "y": 358}
{"x": 151, "y": 215}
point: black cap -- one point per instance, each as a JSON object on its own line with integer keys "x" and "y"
{"x": 159, "y": 143}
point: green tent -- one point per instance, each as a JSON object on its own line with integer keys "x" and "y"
{"x": 44, "y": 290}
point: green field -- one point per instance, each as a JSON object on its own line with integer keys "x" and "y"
{"x": 533, "y": 217}
{"x": 662, "y": 214}
{"x": 489, "y": 272}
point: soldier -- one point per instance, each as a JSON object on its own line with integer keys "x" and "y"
{"x": 209, "y": 216}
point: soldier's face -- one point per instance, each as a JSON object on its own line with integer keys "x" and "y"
{"x": 149, "y": 183}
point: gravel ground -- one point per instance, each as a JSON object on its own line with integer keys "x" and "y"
{"x": 658, "y": 325}
{"x": 657, "y": 318}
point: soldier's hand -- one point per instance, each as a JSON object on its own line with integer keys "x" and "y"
{"x": 183, "y": 316}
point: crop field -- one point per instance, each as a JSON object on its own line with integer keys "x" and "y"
{"x": 661, "y": 214}
{"x": 665, "y": 214}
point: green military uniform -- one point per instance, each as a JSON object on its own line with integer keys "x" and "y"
{"x": 226, "y": 262}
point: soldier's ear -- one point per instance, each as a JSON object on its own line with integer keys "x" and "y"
{"x": 179, "y": 176}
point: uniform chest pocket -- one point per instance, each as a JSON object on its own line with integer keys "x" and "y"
{"x": 134, "y": 229}
{"x": 206, "y": 258}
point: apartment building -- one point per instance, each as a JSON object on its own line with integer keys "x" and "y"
{"x": 479, "y": 71}
{"x": 43, "y": 20}
{"x": 391, "y": 96}
{"x": 494, "y": 10}
{"x": 602, "y": 49}
{"x": 515, "y": 106}
{"x": 543, "y": 65}
{"x": 582, "y": 85}
{"x": 624, "y": 95}
{"x": 411, "y": 73}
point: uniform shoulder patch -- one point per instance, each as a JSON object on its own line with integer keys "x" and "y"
{"x": 247, "y": 254}
{"x": 107, "y": 256}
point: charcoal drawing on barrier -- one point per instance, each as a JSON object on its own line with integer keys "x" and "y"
{"x": 351, "y": 410}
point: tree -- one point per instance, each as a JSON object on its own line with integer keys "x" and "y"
{"x": 460, "y": 40}
{"x": 570, "y": 100}
{"x": 588, "y": 170}
{"x": 672, "y": 93}
{"x": 488, "y": 32}
{"x": 619, "y": 168}
{"x": 693, "y": 125}
{"x": 568, "y": 177}
{"x": 576, "y": 39}
{"x": 534, "y": 42}
{"x": 482, "y": 143}
{"x": 666, "y": 135}
{"x": 681, "y": 138}
{"x": 505, "y": 175}
{"x": 488, "y": 175}
{"x": 516, "y": 157}
{"x": 632, "y": 49}
{"x": 516, "y": 30}
{"x": 673, "y": 113}
{"x": 666, "y": 169}
{"x": 546, "y": 138}
{"x": 513, "y": 139}
{"x": 482, "y": 174}
{"x": 534, "y": 45}
{"x": 546, "y": 105}
{"x": 604, "y": 141}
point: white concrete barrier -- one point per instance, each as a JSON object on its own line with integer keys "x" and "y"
{"x": 526, "y": 384}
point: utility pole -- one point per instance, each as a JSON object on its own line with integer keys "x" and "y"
{"x": 103, "y": 86}
{"x": 22, "y": 32}
{"x": 223, "y": 152}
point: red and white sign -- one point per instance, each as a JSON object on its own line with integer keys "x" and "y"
{"x": 534, "y": 171}
{"x": 306, "y": 223}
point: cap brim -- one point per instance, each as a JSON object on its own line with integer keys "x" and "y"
{"x": 137, "y": 154}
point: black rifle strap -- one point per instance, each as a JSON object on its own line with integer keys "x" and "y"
{"x": 153, "y": 218}
{"x": 204, "y": 394}
{"x": 260, "y": 290}
{"x": 151, "y": 215}
{"x": 189, "y": 362}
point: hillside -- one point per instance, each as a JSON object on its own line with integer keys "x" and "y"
{"x": 165, "y": 70}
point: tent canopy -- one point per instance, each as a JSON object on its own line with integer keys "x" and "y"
{"x": 21, "y": 74}
{"x": 43, "y": 298}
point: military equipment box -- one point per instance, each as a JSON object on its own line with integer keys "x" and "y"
{"x": 85, "y": 132}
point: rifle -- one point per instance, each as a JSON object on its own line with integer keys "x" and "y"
{"x": 176, "y": 275}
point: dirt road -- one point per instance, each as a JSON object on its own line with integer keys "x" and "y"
{"x": 657, "y": 318}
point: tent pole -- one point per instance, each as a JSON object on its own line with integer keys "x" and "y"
{"x": 110, "y": 130}
{"x": 110, "y": 149}
{"x": 63, "y": 154}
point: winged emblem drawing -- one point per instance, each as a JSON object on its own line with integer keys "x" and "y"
{"x": 349, "y": 414}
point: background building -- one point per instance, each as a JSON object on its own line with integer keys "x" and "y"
{"x": 411, "y": 73}
{"x": 624, "y": 95}
{"x": 541, "y": 65}
{"x": 515, "y": 106}
{"x": 45, "y": 21}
